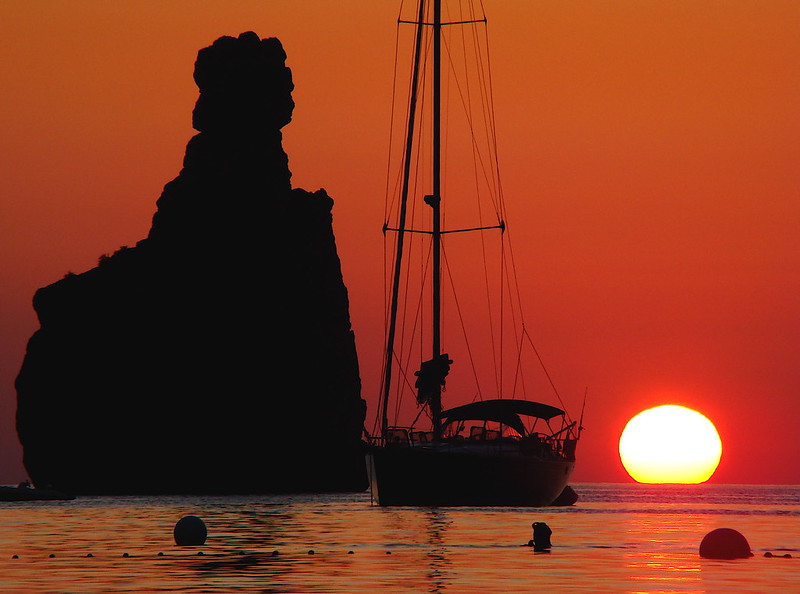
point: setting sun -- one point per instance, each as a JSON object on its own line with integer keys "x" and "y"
{"x": 670, "y": 444}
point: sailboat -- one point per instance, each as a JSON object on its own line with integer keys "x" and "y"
{"x": 487, "y": 448}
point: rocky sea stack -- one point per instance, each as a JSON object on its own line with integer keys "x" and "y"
{"x": 215, "y": 356}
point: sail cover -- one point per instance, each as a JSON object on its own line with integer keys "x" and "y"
{"x": 501, "y": 411}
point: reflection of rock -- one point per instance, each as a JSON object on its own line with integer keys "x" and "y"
{"x": 217, "y": 354}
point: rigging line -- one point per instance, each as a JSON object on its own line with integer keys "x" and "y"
{"x": 481, "y": 45}
{"x": 401, "y": 225}
{"x": 496, "y": 352}
{"x": 473, "y": 139}
{"x": 478, "y": 60}
{"x": 408, "y": 341}
{"x": 473, "y": 48}
{"x": 407, "y": 335}
{"x": 518, "y": 375}
{"x": 513, "y": 280}
{"x": 405, "y": 349}
{"x": 493, "y": 120}
{"x": 463, "y": 325}
{"x": 546, "y": 373}
{"x": 403, "y": 372}
{"x": 419, "y": 414}
{"x": 417, "y": 325}
{"x": 515, "y": 303}
{"x": 389, "y": 202}
{"x": 486, "y": 105}
{"x": 487, "y": 110}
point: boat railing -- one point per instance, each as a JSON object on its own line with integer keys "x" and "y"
{"x": 560, "y": 444}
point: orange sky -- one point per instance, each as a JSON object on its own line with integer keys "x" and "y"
{"x": 649, "y": 152}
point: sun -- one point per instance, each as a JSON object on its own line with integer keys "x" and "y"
{"x": 670, "y": 444}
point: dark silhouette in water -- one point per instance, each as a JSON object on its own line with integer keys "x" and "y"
{"x": 215, "y": 356}
{"x": 541, "y": 537}
{"x": 725, "y": 543}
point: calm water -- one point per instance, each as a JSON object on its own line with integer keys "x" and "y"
{"x": 618, "y": 538}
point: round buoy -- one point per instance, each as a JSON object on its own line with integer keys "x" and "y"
{"x": 190, "y": 531}
{"x": 725, "y": 543}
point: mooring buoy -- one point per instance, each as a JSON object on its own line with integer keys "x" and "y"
{"x": 190, "y": 531}
{"x": 725, "y": 543}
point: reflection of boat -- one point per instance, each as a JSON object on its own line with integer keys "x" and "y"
{"x": 494, "y": 451}
{"x": 25, "y": 492}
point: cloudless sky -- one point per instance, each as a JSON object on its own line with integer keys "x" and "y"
{"x": 649, "y": 151}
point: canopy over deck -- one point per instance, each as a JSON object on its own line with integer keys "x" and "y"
{"x": 502, "y": 411}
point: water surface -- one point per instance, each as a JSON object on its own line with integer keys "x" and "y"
{"x": 617, "y": 538}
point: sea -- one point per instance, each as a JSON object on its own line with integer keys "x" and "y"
{"x": 616, "y": 538}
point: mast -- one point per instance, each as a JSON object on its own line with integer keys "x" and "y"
{"x": 435, "y": 202}
{"x": 432, "y": 373}
{"x": 412, "y": 110}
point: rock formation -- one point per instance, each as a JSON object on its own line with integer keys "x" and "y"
{"x": 215, "y": 356}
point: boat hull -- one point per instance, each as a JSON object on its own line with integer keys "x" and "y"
{"x": 444, "y": 475}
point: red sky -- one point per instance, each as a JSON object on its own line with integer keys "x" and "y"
{"x": 649, "y": 152}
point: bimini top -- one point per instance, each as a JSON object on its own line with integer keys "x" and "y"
{"x": 502, "y": 411}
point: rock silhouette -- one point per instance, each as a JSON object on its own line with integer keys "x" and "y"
{"x": 216, "y": 355}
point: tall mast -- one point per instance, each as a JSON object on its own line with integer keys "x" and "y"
{"x": 435, "y": 202}
{"x": 401, "y": 227}
{"x": 434, "y": 389}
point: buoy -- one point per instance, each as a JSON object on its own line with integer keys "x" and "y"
{"x": 725, "y": 543}
{"x": 52, "y": 555}
{"x": 15, "y": 556}
{"x": 89, "y": 555}
{"x": 125, "y": 555}
{"x": 274, "y": 553}
{"x": 350, "y": 552}
{"x": 311, "y": 551}
{"x": 190, "y": 531}
{"x": 160, "y": 554}
{"x": 541, "y": 536}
